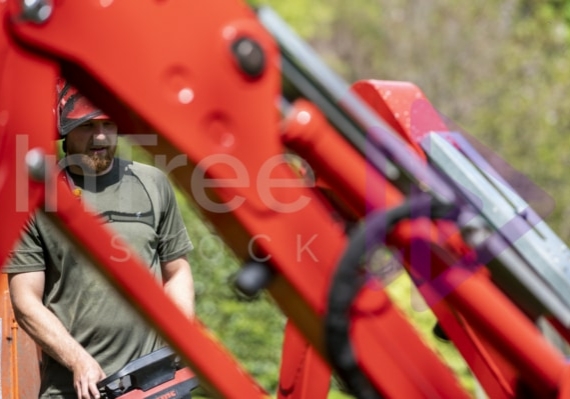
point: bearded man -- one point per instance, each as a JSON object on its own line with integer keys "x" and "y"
{"x": 84, "y": 328}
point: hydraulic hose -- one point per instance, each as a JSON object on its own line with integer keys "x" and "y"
{"x": 349, "y": 278}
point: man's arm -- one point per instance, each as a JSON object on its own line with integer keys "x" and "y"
{"x": 26, "y": 291}
{"x": 179, "y": 284}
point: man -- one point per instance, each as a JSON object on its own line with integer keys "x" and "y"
{"x": 85, "y": 330}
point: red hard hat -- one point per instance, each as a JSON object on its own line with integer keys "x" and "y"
{"x": 73, "y": 108}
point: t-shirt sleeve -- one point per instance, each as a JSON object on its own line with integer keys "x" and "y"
{"x": 28, "y": 255}
{"x": 173, "y": 239}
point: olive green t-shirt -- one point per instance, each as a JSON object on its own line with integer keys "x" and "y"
{"x": 137, "y": 201}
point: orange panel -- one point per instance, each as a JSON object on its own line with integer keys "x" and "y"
{"x": 20, "y": 363}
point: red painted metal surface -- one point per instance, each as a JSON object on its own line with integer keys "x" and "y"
{"x": 539, "y": 364}
{"x": 307, "y": 132}
{"x": 404, "y": 106}
{"x": 20, "y": 366}
{"x": 166, "y": 390}
{"x": 168, "y": 67}
{"x": 378, "y": 326}
{"x": 26, "y": 121}
{"x": 303, "y": 373}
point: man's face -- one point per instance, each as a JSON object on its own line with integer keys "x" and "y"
{"x": 91, "y": 146}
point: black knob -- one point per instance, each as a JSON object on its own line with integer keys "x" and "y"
{"x": 250, "y": 56}
{"x": 252, "y": 278}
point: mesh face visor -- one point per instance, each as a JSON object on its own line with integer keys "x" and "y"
{"x": 73, "y": 109}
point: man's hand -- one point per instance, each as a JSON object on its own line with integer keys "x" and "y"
{"x": 86, "y": 374}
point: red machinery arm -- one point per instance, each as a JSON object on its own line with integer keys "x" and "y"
{"x": 214, "y": 133}
{"x": 205, "y": 76}
{"x": 451, "y": 290}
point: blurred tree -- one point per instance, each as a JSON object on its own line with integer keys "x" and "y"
{"x": 499, "y": 70}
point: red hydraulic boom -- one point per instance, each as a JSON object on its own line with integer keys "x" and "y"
{"x": 200, "y": 84}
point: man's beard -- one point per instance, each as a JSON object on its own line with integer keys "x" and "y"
{"x": 96, "y": 163}
{"x": 92, "y": 163}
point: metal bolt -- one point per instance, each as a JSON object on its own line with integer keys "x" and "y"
{"x": 36, "y": 163}
{"x": 250, "y": 56}
{"x": 252, "y": 278}
{"x": 37, "y": 11}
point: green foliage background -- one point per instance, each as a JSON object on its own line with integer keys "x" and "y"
{"x": 499, "y": 69}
